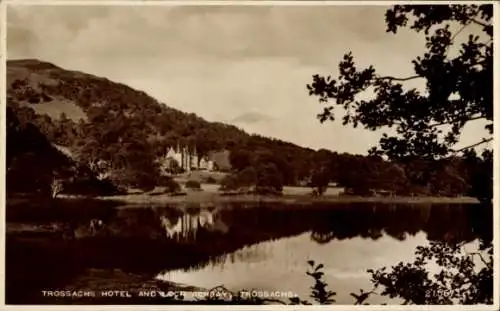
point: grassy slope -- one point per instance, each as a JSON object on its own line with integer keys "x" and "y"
{"x": 36, "y": 73}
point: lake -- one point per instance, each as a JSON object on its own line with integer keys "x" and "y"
{"x": 241, "y": 246}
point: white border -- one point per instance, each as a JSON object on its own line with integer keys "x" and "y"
{"x": 496, "y": 202}
{"x": 234, "y": 3}
{"x": 3, "y": 158}
{"x": 496, "y": 158}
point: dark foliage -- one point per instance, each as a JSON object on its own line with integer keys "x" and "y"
{"x": 90, "y": 187}
{"x": 269, "y": 180}
{"x": 420, "y": 120}
{"x": 193, "y": 184}
{"x": 459, "y": 280}
{"x": 459, "y": 90}
{"x": 320, "y": 291}
{"x": 211, "y": 180}
{"x": 169, "y": 183}
{"x": 32, "y": 162}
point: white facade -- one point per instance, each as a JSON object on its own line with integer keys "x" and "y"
{"x": 186, "y": 226}
{"x": 206, "y": 164}
{"x": 189, "y": 160}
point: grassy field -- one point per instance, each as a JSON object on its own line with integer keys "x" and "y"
{"x": 291, "y": 195}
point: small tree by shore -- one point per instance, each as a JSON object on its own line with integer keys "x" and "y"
{"x": 56, "y": 187}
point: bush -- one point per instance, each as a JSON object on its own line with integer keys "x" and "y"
{"x": 247, "y": 177}
{"x": 169, "y": 183}
{"x": 211, "y": 180}
{"x": 229, "y": 183}
{"x": 193, "y": 185}
{"x": 268, "y": 190}
{"x": 129, "y": 177}
{"x": 266, "y": 179}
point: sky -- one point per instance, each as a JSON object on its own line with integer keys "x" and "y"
{"x": 244, "y": 65}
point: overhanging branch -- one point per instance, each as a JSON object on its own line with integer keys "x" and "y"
{"x": 459, "y": 31}
{"x": 475, "y": 21}
{"x": 488, "y": 264}
{"x": 399, "y": 79}
{"x": 485, "y": 140}
{"x": 453, "y": 121}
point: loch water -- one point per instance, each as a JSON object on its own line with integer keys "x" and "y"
{"x": 239, "y": 245}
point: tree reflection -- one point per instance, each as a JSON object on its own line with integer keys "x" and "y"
{"x": 322, "y": 237}
{"x": 151, "y": 239}
{"x": 439, "y": 222}
{"x": 205, "y": 232}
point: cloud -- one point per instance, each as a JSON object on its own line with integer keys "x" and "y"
{"x": 250, "y": 118}
{"x": 307, "y": 34}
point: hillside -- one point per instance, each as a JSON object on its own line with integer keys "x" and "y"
{"x": 77, "y": 127}
{"x": 111, "y": 127}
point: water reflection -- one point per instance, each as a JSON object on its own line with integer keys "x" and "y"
{"x": 149, "y": 240}
{"x": 439, "y": 222}
{"x": 186, "y": 226}
{"x": 281, "y": 265}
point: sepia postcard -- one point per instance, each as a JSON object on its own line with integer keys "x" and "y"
{"x": 249, "y": 154}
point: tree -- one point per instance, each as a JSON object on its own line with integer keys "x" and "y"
{"x": 269, "y": 179}
{"x": 240, "y": 158}
{"x": 459, "y": 89}
{"x": 359, "y": 175}
{"x": 480, "y": 174}
{"x": 320, "y": 180}
{"x": 447, "y": 180}
{"x": 393, "y": 178}
{"x": 266, "y": 157}
{"x": 32, "y": 161}
{"x": 459, "y": 279}
{"x": 56, "y": 187}
{"x": 247, "y": 177}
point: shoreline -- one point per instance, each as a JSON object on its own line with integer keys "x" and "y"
{"x": 214, "y": 197}
{"x": 200, "y": 197}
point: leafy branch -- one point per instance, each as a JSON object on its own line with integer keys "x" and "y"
{"x": 416, "y": 115}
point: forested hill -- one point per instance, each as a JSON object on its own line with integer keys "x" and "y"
{"x": 101, "y": 121}
{"x": 71, "y": 126}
